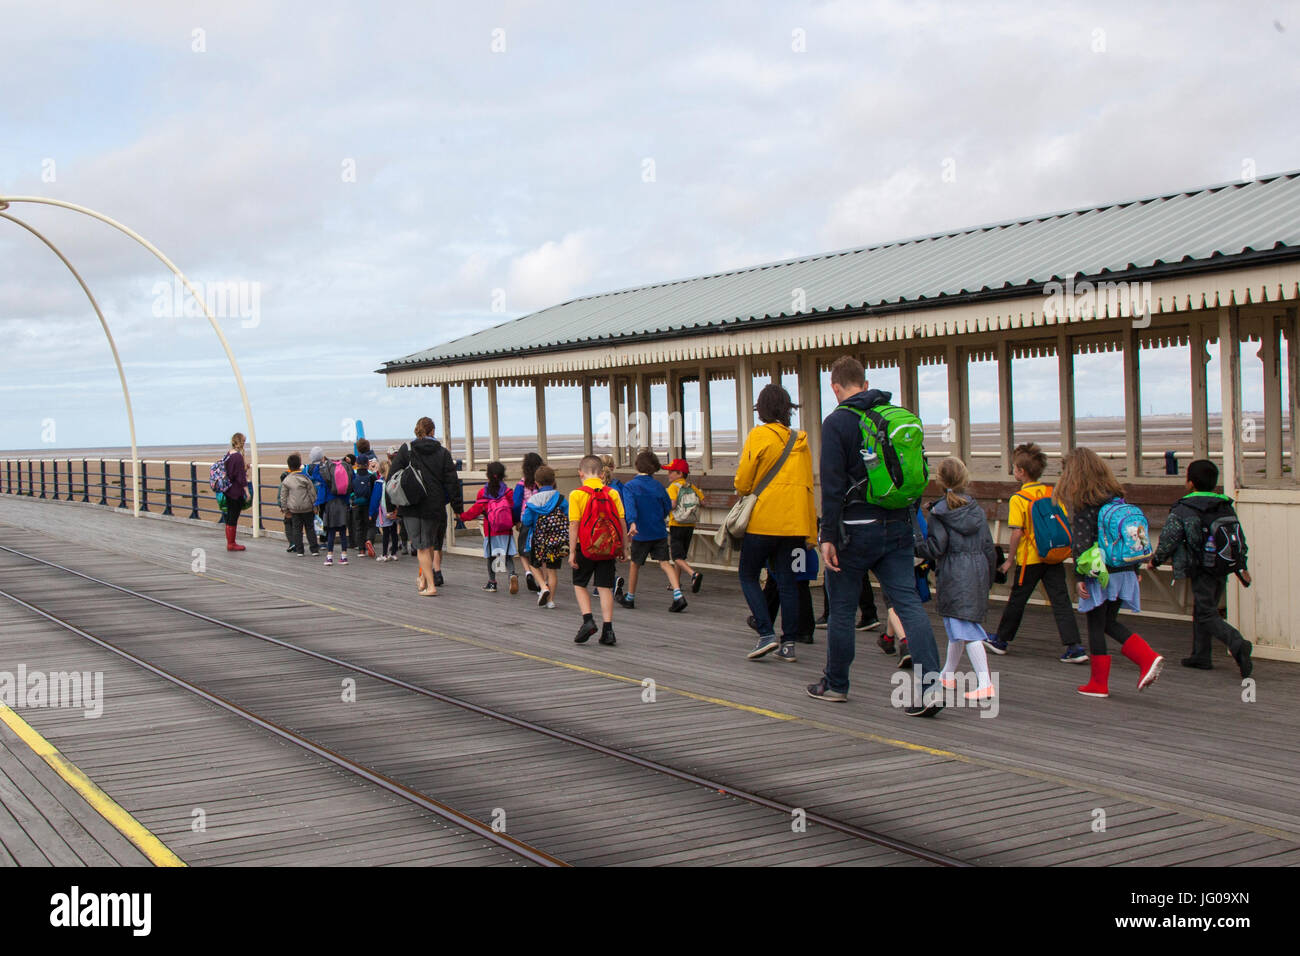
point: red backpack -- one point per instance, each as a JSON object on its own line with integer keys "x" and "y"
{"x": 600, "y": 535}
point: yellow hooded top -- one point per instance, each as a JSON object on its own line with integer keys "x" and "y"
{"x": 786, "y": 507}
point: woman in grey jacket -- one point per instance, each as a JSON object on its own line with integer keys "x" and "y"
{"x": 960, "y": 545}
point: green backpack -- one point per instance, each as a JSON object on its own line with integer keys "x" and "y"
{"x": 893, "y": 449}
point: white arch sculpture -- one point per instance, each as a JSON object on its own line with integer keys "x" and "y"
{"x": 5, "y": 202}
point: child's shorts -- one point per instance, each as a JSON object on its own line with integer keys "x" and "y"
{"x": 679, "y": 541}
{"x": 602, "y": 571}
{"x": 655, "y": 550}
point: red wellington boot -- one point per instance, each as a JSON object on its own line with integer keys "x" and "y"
{"x": 1099, "y": 682}
{"x": 230, "y": 540}
{"x": 1149, "y": 663}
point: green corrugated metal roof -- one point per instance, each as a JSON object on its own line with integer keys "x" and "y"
{"x": 1198, "y": 228}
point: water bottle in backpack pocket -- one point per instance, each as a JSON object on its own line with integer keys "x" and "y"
{"x": 1123, "y": 534}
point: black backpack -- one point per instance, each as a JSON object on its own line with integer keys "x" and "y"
{"x": 1223, "y": 549}
{"x": 363, "y": 483}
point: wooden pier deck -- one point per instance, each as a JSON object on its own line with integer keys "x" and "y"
{"x": 1187, "y": 772}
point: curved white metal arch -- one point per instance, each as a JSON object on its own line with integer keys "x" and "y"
{"x": 117, "y": 360}
{"x": 239, "y": 378}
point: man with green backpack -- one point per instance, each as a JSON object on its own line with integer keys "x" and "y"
{"x": 873, "y": 471}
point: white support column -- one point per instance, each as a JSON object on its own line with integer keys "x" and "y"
{"x": 446, "y": 417}
{"x": 1198, "y": 359}
{"x": 1230, "y": 389}
{"x": 617, "y": 419}
{"x": 1271, "y": 355}
{"x": 1006, "y": 414}
{"x": 586, "y": 416}
{"x": 706, "y": 422}
{"x": 1065, "y": 389}
{"x": 1132, "y": 347}
{"x": 908, "y": 381}
{"x": 643, "y": 431}
{"x": 744, "y": 400}
{"x": 959, "y": 400}
{"x": 468, "y": 393}
{"x": 539, "y": 399}
{"x": 1292, "y": 325}
{"x": 673, "y": 407}
{"x": 810, "y": 412}
{"x": 494, "y": 434}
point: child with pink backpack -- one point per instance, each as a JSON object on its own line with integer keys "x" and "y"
{"x": 495, "y": 504}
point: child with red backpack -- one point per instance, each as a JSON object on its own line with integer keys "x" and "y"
{"x": 1110, "y": 541}
{"x": 1040, "y": 543}
{"x": 494, "y": 504}
{"x": 597, "y": 532}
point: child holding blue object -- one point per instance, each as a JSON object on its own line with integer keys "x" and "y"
{"x": 958, "y": 541}
{"x": 646, "y": 507}
{"x": 1088, "y": 488}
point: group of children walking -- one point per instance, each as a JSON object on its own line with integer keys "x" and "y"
{"x": 1085, "y": 517}
{"x": 605, "y": 521}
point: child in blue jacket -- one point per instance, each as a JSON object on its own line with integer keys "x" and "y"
{"x": 646, "y": 506}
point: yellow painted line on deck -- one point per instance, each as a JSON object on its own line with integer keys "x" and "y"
{"x": 1045, "y": 776}
{"x": 103, "y": 804}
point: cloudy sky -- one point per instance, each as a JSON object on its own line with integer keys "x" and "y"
{"x": 377, "y": 178}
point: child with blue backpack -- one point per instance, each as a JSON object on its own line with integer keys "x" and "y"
{"x": 494, "y": 503}
{"x": 1040, "y": 543}
{"x": 1110, "y": 541}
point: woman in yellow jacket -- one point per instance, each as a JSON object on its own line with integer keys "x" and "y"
{"x": 782, "y": 523}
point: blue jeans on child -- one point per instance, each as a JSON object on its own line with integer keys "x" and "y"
{"x": 883, "y": 547}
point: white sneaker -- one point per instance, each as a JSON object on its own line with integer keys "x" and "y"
{"x": 551, "y": 605}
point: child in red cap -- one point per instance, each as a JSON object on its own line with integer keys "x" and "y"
{"x": 687, "y": 502}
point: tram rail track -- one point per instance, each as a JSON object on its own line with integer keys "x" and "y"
{"x": 444, "y": 811}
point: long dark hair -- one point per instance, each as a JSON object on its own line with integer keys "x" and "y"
{"x": 496, "y": 473}
{"x": 532, "y": 461}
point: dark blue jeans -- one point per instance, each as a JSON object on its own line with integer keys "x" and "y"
{"x": 885, "y": 549}
{"x": 755, "y": 550}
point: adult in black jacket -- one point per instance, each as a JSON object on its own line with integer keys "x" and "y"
{"x": 857, "y": 537}
{"x": 426, "y": 522}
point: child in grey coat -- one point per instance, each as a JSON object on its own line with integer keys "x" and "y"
{"x": 960, "y": 545}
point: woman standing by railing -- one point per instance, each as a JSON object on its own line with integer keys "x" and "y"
{"x": 239, "y": 494}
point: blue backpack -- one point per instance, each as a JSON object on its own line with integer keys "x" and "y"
{"x": 1051, "y": 529}
{"x": 1123, "y": 534}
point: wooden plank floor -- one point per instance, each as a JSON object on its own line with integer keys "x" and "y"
{"x": 44, "y": 822}
{"x": 1186, "y": 772}
{"x": 163, "y": 754}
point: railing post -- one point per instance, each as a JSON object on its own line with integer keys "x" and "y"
{"x": 54, "y": 468}
{"x": 85, "y": 480}
{"x": 71, "y": 496}
{"x": 167, "y": 487}
{"x": 103, "y": 482}
{"x": 121, "y": 478}
{"x": 144, "y": 485}
{"x": 42, "y": 477}
{"x": 31, "y": 481}
{"x": 194, "y": 492}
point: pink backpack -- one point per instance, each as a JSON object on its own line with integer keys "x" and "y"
{"x": 342, "y": 484}
{"x": 499, "y": 519}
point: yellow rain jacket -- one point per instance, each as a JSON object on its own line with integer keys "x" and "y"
{"x": 786, "y": 508}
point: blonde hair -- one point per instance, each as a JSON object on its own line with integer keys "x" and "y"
{"x": 237, "y": 441}
{"x": 606, "y": 468}
{"x": 382, "y": 470}
{"x": 1086, "y": 479}
{"x": 954, "y": 476}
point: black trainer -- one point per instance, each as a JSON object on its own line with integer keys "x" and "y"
{"x": 904, "y": 655}
{"x": 607, "y": 637}
{"x": 1243, "y": 660}
{"x": 697, "y": 579}
{"x": 752, "y": 622}
{"x": 865, "y": 625}
{"x": 620, "y": 588}
{"x": 622, "y": 600}
{"x": 822, "y": 621}
{"x": 678, "y": 605}
{"x": 530, "y": 582}
{"x": 584, "y": 633}
{"x": 929, "y": 710}
{"x": 437, "y": 579}
{"x": 1196, "y": 662}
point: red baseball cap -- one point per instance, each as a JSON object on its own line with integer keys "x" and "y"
{"x": 678, "y": 464}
